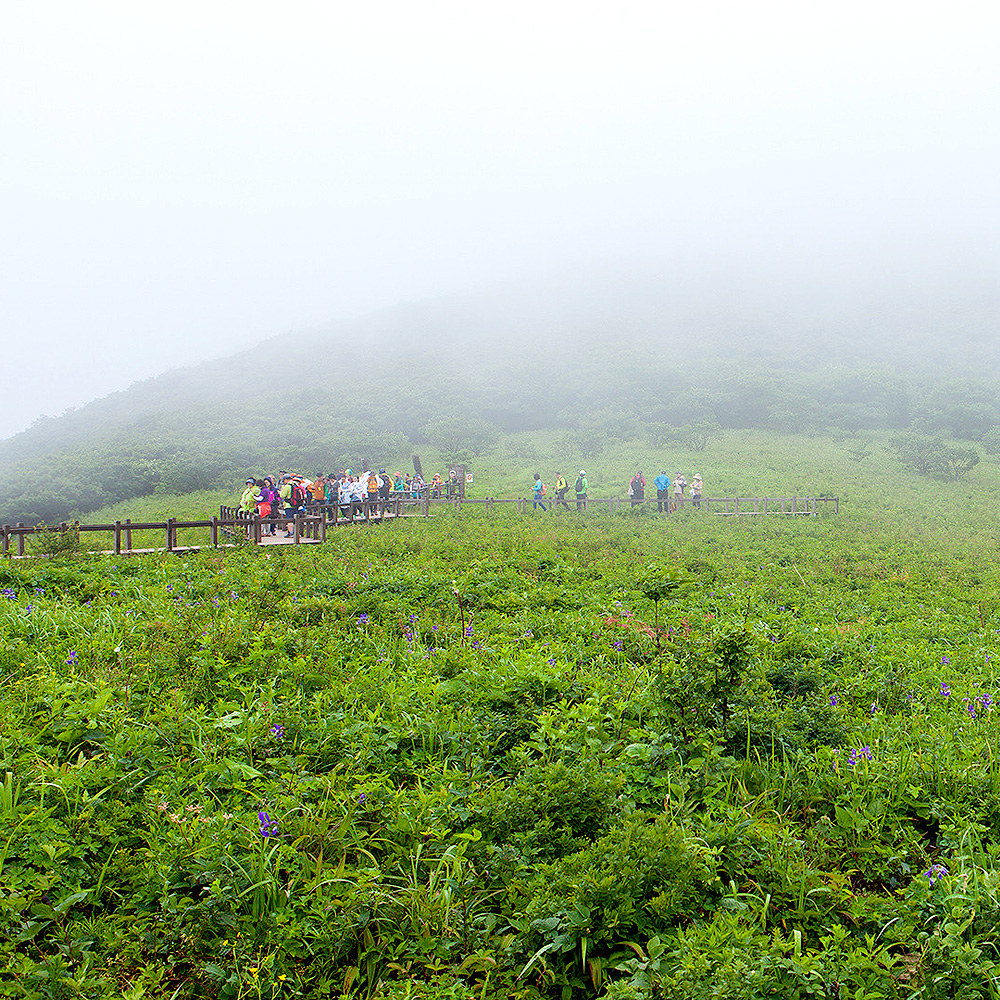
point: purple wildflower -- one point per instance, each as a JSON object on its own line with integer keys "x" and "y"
{"x": 935, "y": 873}
{"x": 944, "y": 659}
{"x": 71, "y": 659}
{"x": 945, "y": 690}
{"x": 834, "y": 701}
{"x": 364, "y": 619}
{"x": 268, "y": 826}
{"x": 618, "y": 645}
{"x": 277, "y": 731}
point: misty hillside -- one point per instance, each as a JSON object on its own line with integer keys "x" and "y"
{"x": 642, "y": 355}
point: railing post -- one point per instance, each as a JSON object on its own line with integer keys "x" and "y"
{"x": 170, "y": 534}
{"x": 322, "y": 527}
{"x": 215, "y": 532}
{"x": 118, "y": 538}
{"x": 20, "y": 539}
{"x": 296, "y": 533}
{"x": 128, "y": 534}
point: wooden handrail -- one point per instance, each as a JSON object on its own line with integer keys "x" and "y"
{"x": 312, "y": 526}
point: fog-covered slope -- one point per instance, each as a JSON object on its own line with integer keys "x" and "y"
{"x": 591, "y": 353}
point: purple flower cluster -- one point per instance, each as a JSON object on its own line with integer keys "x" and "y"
{"x": 277, "y": 731}
{"x": 983, "y": 701}
{"x": 71, "y": 659}
{"x": 945, "y": 690}
{"x": 364, "y": 619}
{"x": 10, "y": 593}
{"x": 834, "y": 701}
{"x": 857, "y": 753}
{"x": 268, "y": 826}
{"x": 935, "y": 873}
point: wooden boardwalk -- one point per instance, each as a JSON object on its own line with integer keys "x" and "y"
{"x": 234, "y": 528}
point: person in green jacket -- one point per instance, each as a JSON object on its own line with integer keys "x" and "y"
{"x": 581, "y": 490}
{"x": 251, "y": 497}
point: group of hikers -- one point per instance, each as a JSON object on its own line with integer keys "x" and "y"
{"x": 670, "y": 494}
{"x": 278, "y": 500}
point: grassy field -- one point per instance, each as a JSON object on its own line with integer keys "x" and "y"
{"x": 518, "y": 756}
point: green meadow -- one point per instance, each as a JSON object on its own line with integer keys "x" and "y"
{"x": 490, "y": 755}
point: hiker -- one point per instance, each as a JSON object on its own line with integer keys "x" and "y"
{"x": 318, "y": 489}
{"x": 374, "y": 485}
{"x": 251, "y": 497}
{"x": 581, "y": 490}
{"x": 637, "y": 489}
{"x": 331, "y": 493}
{"x": 561, "y": 487}
{"x": 345, "y": 495}
{"x": 386, "y": 487}
{"x": 679, "y": 483}
{"x": 662, "y": 484}
{"x": 269, "y": 497}
{"x": 539, "y": 487}
{"x": 696, "y": 486}
{"x": 285, "y": 493}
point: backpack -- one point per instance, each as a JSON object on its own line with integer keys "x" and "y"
{"x": 579, "y": 484}
{"x": 299, "y": 495}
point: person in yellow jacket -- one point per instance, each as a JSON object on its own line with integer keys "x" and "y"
{"x": 251, "y": 497}
{"x": 561, "y": 487}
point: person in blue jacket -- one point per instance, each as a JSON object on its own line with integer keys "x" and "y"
{"x": 662, "y": 484}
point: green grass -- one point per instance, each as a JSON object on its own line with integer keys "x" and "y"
{"x": 490, "y": 777}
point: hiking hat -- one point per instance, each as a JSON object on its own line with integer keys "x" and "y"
{"x": 582, "y": 473}
{"x": 250, "y": 482}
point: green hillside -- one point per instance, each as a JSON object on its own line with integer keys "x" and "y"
{"x": 471, "y": 757}
{"x": 652, "y": 359}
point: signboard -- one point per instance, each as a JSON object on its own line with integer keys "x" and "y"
{"x": 468, "y": 477}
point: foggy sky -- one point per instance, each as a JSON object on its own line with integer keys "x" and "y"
{"x": 181, "y": 180}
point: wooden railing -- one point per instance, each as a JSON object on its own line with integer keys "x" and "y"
{"x": 233, "y": 527}
{"x": 236, "y": 526}
{"x": 710, "y": 505}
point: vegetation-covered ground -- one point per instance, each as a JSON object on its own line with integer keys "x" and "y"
{"x": 473, "y": 757}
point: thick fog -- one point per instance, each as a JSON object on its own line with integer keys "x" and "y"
{"x": 181, "y": 180}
